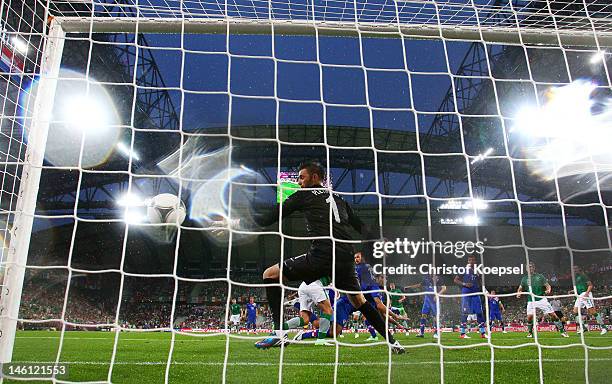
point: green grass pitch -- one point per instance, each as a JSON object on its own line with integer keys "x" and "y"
{"x": 142, "y": 358}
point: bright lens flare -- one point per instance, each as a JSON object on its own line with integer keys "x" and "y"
{"x": 86, "y": 113}
{"x": 20, "y": 45}
{"x": 565, "y": 130}
{"x": 598, "y": 57}
{"x": 83, "y": 121}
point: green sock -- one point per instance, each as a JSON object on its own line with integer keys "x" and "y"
{"x": 324, "y": 324}
{"x": 560, "y": 326}
{"x": 530, "y": 328}
{"x": 293, "y": 323}
{"x": 599, "y": 319}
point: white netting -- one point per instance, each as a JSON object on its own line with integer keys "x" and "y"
{"x": 423, "y": 113}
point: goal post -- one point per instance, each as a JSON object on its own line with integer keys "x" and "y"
{"x": 16, "y": 261}
{"x": 486, "y": 34}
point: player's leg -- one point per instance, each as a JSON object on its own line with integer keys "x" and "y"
{"x": 325, "y": 319}
{"x": 476, "y": 306}
{"x": 371, "y": 330}
{"x": 274, "y": 293}
{"x": 376, "y": 300}
{"x": 346, "y": 280}
{"x": 545, "y": 306}
{"x": 426, "y": 310}
{"x": 501, "y": 323}
{"x": 465, "y": 311}
{"x": 234, "y": 319}
{"x": 402, "y": 312}
{"x": 422, "y": 323}
{"x": 579, "y": 304}
{"x": 306, "y": 311}
{"x": 372, "y": 315}
{"x": 343, "y": 314}
{"x": 590, "y": 305}
{"x": 492, "y": 316}
{"x": 434, "y": 317}
{"x": 298, "y": 321}
{"x": 295, "y": 268}
{"x": 481, "y": 324}
{"x": 356, "y": 319}
{"x": 530, "y": 318}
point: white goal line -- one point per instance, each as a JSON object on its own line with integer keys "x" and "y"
{"x": 507, "y": 35}
{"x": 315, "y": 364}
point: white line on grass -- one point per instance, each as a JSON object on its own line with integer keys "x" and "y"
{"x": 311, "y": 364}
{"x": 196, "y": 339}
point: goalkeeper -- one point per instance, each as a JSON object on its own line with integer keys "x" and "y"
{"x": 319, "y": 208}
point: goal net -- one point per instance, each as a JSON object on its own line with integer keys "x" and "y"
{"x": 456, "y": 129}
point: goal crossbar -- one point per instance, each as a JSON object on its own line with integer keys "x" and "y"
{"x": 504, "y": 35}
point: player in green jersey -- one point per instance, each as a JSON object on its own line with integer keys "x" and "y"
{"x": 396, "y": 302}
{"x": 539, "y": 287}
{"x": 235, "y": 315}
{"x": 584, "y": 290}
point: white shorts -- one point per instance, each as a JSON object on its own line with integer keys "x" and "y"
{"x": 235, "y": 319}
{"x": 585, "y": 301}
{"x": 310, "y": 295}
{"x": 472, "y": 317}
{"x": 542, "y": 304}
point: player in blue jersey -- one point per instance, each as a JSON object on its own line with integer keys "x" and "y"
{"x": 344, "y": 308}
{"x": 471, "y": 305}
{"x": 496, "y": 309}
{"x": 343, "y": 313}
{"x": 430, "y": 308}
{"x": 368, "y": 282}
{"x": 310, "y": 296}
{"x": 251, "y": 310}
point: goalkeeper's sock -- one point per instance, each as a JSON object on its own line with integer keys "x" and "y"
{"x": 503, "y": 326}
{"x": 530, "y": 328}
{"x": 324, "y": 324}
{"x": 274, "y": 293}
{"x": 374, "y": 317}
{"x": 422, "y": 329}
{"x": 293, "y": 323}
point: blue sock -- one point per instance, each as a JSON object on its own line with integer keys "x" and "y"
{"x": 422, "y": 326}
{"x": 463, "y": 326}
{"x": 372, "y": 331}
{"x": 481, "y": 326}
{"x": 309, "y": 335}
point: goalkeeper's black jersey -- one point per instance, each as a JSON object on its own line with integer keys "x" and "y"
{"x": 316, "y": 206}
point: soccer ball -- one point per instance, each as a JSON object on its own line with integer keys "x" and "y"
{"x": 166, "y": 208}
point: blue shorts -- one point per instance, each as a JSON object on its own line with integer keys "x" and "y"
{"x": 495, "y": 315}
{"x": 471, "y": 305}
{"x": 252, "y": 320}
{"x": 344, "y": 309}
{"x": 429, "y": 306}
